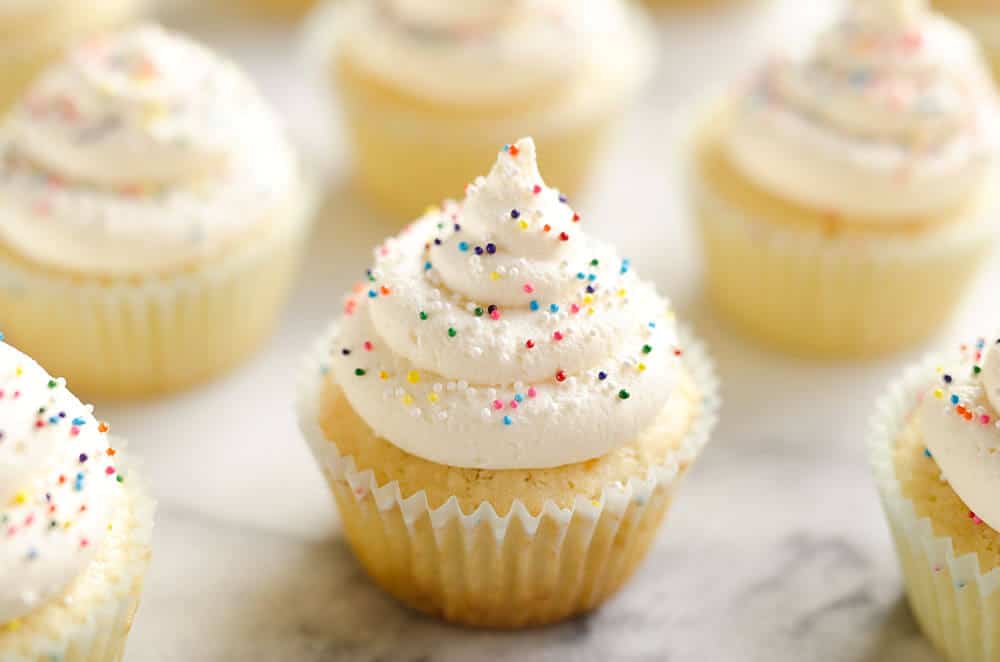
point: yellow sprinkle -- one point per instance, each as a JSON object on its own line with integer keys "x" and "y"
{"x": 67, "y": 524}
{"x": 588, "y": 299}
{"x": 19, "y": 371}
{"x": 938, "y": 393}
{"x": 642, "y": 367}
{"x": 383, "y": 375}
{"x": 431, "y": 209}
{"x": 523, "y": 225}
{"x": 494, "y": 276}
{"x": 940, "y": 369}
{"x": 20, "y": 497}
{"x": 590, "y": 311}
{"x": 595, "y": 502}
{"x": 12, "y": 626}
{"x": 433, "y": 397}
{"x": 407, "y": 399}
{"x": 413, "y": 377}
{"x": 622, "y": 292}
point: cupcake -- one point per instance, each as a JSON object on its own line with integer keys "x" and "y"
{"x": 504, "y": 410}
{"x": 934, "y": 450}
{"x": 841, "y": 183}
{"x": 77, "y": 524}
{"x": 982, "y": 19}
{"x": 429, "y": 88}
{"x": 150, "y": 203}
{"x": 35, "y": 32}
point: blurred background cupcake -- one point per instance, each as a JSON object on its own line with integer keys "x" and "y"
{"x": 428, "y": 88}
{"x": 77, "y": 524}
{"x": 847, "y": 197}
{"x": 505, "y": 410}
{"x": 35, "y": 32}
{"x": 982, "y": 19}
{"x": 936, "y": 455}
{"x": 150, "y": 207}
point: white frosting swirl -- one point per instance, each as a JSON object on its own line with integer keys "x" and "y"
{"x": 492, "y": 51}
{"x": 496, "y": 334}
{"x": 58, "y": 485}
{"x": 960, "y": 419}
{"x": 891, "y": 115}
{"x": 141, "y": 151}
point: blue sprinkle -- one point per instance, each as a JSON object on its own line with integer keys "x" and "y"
{"x": 79, "y": 421}
{"x": 518, "y": 397}
{"x": 463, "y": 246}
{"x": 592, "y": 277}
{"x": 581, "y": 275}
{"x": 507, "y": 420}
{"x": 515, "y": 213}
{"x": 427, "y": 266}
{"x": 955, "y": 400}
{"x": 590, "y": 289}
{"x": 602, "y": 375}
{"x": 533, "y": 305}
{"x": 652, "y": 325}
{"x": 927, "y": 452}
{"x": 372, "y": 294}
{"x": 53, "y": 420}
{"x": 553, "y": 308}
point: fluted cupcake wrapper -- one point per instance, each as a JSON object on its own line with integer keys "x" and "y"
{"x": 515, "y": 570}
{"x": 805, "y": 291}
{"x": 956, "y": 604}
{"x": 91, "y": 621}
{"x": 144, "y": 336}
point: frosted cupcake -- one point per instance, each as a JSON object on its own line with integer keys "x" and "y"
{"x": 77, "y": 524}
{"x": 505, "y": 409}
{"x": 35, "y": 32}
{"x": 847, "y": 197}
{"x": 982, "y": 19}
{"x": 935, "y": 447}
{"x": 150, "y": 203}
{"x": 430, "y": 88}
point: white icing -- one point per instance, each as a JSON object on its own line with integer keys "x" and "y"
{"x": 58, "y": 485}
{"x": 439, "y": 385}
{"x": 139, "y": 152}
{"x": 492, "y": 52}
{"x": 965, "y": 442}
{"x": 892, "y": 114}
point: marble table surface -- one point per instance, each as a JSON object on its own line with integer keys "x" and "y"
{"x": 777, "y": 549}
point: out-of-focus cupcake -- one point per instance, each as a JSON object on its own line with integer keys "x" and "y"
{"x": 982, "y": 19}
{"x": 277, "y": 8}
{"x": 847, "y": 197}
{"x": 77, "y": 524}
{"x": 35, "y": 32}
{"x": 505, "y": 410}
{"x": 152, "y": 214}
{"x": 936, "y": 454}
{"x": 429, "y": 88}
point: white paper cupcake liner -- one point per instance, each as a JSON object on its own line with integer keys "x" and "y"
{"x": 809, "y": 292}
{"x": 956, "y": 604}
{"x": 91, "y": 621}
{"x": 152, "y": 335}
{"x": 510, "y": 570}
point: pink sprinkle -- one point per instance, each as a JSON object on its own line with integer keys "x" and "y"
{"x": 349, "y": 306}
{"x": 529, "y": 288}
{"x": 1, "y": 394}
{"x": 29, "y": 520}
{"x": 537, "y": 189}
{"x": 557, "y": 336}
{"x": 975, "y": 518}
{"x": 383, "y": 251}
{"x": 574, "y": 308}
{"x": 109, "y": 470}
{"x": 984, "y": 419}
{"x": 513, "y": 404}
{"x": 84, "y": 542}
{"x": 497, "y": 405}
{"x": 532, "y": 392}
{"x": 74, "y": 431}
{"x": 937, "y": 568}
{"x": 495, "y": 315}
{"x": 368, "y": 346}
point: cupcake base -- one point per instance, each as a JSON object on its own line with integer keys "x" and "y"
{"x": 125, "y": 338}
{"x": 503, "y": 549}
{"x": 91, "y": 622}
{"x": 950, "y": 564}
{"x": 819, "y": 285}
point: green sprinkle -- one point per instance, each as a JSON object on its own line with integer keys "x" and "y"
{"x": 976, "y": 370}
{"x": 452, "y": 332}
{"x": 53, "y": 383}
{"x": 423, "y": 315}
{"x": 594, "y": 262}
{"x": 121, "y": 478}
{"x": 646, "y": 349}
{"x": 479, "y": 312}
{"x": 624, "y": 395}
{"x": 359, "y": 372}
